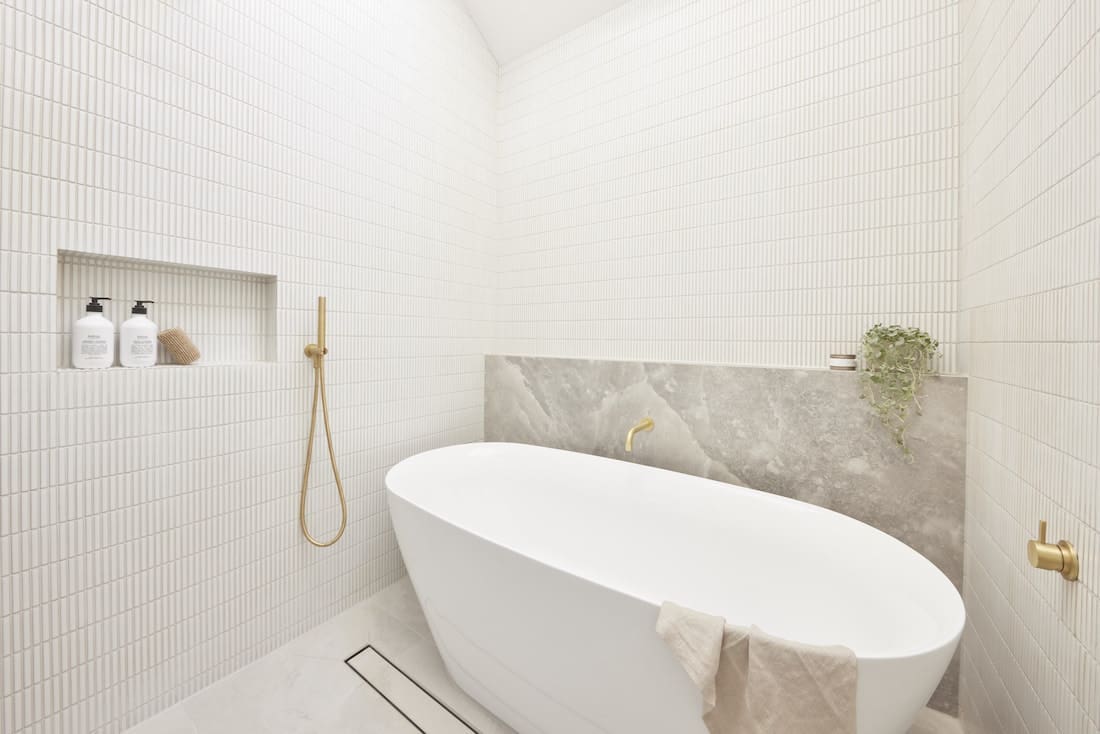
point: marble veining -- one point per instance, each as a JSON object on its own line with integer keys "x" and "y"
{"x": 803, "y": 434}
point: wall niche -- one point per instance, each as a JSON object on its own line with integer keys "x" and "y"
{"x": 229, "y": 314}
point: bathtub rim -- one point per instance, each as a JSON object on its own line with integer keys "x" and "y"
{"x": 957, "y": 613}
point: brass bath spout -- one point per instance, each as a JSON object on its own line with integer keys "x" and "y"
{"x": 645, "y": 424}
{"x": 316, "y": 352}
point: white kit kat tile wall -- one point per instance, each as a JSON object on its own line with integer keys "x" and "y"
{"x": 733, "y": 181}
{"x": 1030, "y": 318}
{"x": 148, "y": 534}
{"x": 750, "y": 181}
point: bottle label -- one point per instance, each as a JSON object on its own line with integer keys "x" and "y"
{"x": 142, "y": 346}
{"x": 93, "y": 345}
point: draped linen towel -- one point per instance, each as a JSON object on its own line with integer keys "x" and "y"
{"x": 753, "y": 683}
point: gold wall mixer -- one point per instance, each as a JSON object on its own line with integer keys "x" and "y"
{"x": 317, "y": 352}
{"x": 1060, "y": 556}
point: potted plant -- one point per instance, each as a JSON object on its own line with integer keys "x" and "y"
{"x": 896, "y": 361}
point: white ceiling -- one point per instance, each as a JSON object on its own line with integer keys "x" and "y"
{"x": 514, "y": 27}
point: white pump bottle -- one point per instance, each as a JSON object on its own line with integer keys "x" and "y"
{"x": 94, "y": 338}
{"x": 138, "y": 338}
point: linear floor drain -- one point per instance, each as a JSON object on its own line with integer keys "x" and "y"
{"x": 413, "y": 701}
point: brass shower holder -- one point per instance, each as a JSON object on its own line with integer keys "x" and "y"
{"x": 1060, "y": 556}
{"x": 318, "y": 350}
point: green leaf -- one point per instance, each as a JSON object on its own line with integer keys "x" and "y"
{"x": 896, "y": 362}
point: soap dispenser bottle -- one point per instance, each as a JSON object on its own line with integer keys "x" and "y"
{"x": 138, "y": 343}
{"x": 94, "y": 338}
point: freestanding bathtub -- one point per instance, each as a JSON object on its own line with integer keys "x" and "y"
{"x": 541, "y": 572}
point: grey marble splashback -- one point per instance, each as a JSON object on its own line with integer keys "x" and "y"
{"x": 797, "y": 433}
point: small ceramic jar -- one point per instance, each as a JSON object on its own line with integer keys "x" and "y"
{"x": 844, "y": 362}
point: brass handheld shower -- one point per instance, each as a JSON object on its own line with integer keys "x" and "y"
{"x": 317, "y": 353}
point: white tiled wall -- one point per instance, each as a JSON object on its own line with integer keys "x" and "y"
{"x": 750, "y": 182}
{"x": 148, "y": 536}
{"x": 1030, "y": 312}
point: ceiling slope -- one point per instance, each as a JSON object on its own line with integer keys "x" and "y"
{"x": 514, "y": 27}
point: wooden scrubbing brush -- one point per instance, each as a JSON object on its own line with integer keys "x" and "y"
{"x": 182, "y": 349}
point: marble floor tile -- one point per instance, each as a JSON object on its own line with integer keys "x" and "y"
{"x": 280, "y": 692}
{"x": 173, "y": 720}
{"x": 305, "y": 687}
{"x": 399, "y": 599}
{"x": 935, "y": 722}
{"x": 363, "y": 624}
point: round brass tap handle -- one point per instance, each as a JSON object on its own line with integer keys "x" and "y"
{"x": 1060, "y": 556}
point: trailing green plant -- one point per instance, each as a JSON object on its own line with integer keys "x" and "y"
{"x": 896, "y": 361}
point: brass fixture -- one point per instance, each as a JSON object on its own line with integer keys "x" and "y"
{"x": 1050, "y": 557}
{"x": 317, "y": 352}
{"x": 645, "y": 424}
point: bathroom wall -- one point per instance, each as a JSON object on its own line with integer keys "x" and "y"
{"x": 798, "y": 433}
{"x": 1030, "y": 174}
{"x": 752, "y": 182}
{"x": 148, "y": 519}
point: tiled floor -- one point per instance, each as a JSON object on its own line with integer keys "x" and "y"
{"x": 307, "y": 688}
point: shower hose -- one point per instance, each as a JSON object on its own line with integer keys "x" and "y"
{"x": 317, "y": 352}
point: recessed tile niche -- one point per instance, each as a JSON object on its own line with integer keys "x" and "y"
{"x": 229, "y": 314}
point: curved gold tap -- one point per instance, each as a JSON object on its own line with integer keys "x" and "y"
{"x": 1061, "y": 557}
{"x": 645, "y": 424}
{"x": 317, "y": 353}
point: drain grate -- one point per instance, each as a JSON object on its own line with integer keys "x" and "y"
{"x": 413, "y": 701}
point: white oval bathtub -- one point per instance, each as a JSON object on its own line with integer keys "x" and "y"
{"x": 541, "y": 573}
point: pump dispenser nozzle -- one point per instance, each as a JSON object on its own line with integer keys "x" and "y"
{"x": 93, "y": 340}
{"x": 139, "y": 307}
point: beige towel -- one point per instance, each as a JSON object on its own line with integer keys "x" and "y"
{"x": 696, "y": 641}
{"x": 753, "y": 683}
